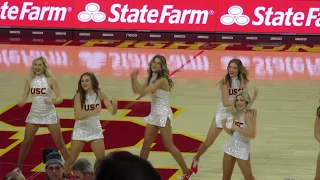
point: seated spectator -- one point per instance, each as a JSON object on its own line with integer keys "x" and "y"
{"x": 83, "y": 170}
{"x": 125, "y": 166}
{"x": 54, "y": 166}
{"x": 14, "y": 176}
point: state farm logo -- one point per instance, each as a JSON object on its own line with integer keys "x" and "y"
{"x": 235, "y": 15}
{"x": 92, "y": 13}
{"x": 127, "y": 13}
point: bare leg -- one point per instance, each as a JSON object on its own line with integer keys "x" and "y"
{"x": 228, "y": 165}
{"x": 150, "y": 133}
{"x": 30, "y": 132}
{"x": 98, "y": 148}
{"x": 317, "y": 177}
{"x": 166, "y": 134}
{"x": 56, "y": 134}
{"x": 245, "y": 167}
{"x": 211, "y": 137}
{"x": 75, "y": 149}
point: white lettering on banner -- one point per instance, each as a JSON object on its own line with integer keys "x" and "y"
{"x": 14, "y": 32}
{"x": 269, "y": 17}
{"x": 268, "y": 66}
{"x": 276, "y": 38}
{"x": 155, "y": 35}
{"x": 251, "y": 38}
{"x": 168, "y": 14}
{"x": 31, "y": 12}
{"x": 227, "y": 37}
{"x": 84, "y": 34}
{"x": 131, "y": 35}
{"x": 11, "y": 57}
{"x": 203, "y": 37}
{"x": 301, "y": 39}
{"x": 60, "y": 33}
{"x": 37, "y": 32}
{"x": 179, "y": 36}
{"x": 107, "y": 34}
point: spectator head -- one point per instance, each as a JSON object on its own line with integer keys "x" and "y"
{"x": 125, "y": 166}
{"x": 14, "y": 176}
{"x": 83, "y": 170}
{"x": 54, "y": 166}
{"x": 47, "y": 151}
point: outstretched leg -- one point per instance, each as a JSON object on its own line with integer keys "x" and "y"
{"x": 166, "y": 134}
{"x": 56, "y": 134}
{"x": 30, "y": 132}
{"x": 211, "y": 137}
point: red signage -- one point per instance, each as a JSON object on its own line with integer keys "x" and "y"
{"x": 271, "y": 16}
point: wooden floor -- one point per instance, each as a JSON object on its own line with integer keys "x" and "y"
{"x": 289, "y": 92}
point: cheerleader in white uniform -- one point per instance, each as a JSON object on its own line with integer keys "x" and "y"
{"x": 41, "y": 85}
{"x": 317, "y": 136}
{"x": 87, "y": 127}
{"x": 242, "y": 131}
{"x": 236, "y": 79}
{"x": 160, "y": 118}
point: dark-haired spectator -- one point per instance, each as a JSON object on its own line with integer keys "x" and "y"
{"x": 83, "y": 170}
{"x": 125, "y": 166}
{"x": 45, "y": 153}
{"x": 54, "y": 166}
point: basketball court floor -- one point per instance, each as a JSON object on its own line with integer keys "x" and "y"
{"x": 289, "y": 93}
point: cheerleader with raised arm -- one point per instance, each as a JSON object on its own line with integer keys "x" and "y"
{"x": 242, "y": 130}
{"x": 235, "y": 80}
{"x": 41, "y": 85}
{"x": 160, "y": 118}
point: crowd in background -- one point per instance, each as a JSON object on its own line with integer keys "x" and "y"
{"x": 116, "y": 165}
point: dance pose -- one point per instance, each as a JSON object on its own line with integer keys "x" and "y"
{"x": 242, "y": 131}
{"x": 160, "y": 118}
{"x": 43, "y": 111}
{"x": 236, "y": 79}
{"x": 317, "y": 136}
{"x": 87, "y": 127}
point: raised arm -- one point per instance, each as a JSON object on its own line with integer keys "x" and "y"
{"x": 112, "y": 107}
{"x": 79, "y": 112}
{"x": 152, "y": 87}
{"x": 251, "y": 123}
{"x": 135, "y": 84}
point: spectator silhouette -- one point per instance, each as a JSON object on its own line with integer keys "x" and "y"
{"x": 125, "y": 166}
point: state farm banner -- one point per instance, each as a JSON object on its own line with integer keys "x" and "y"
{"x": 263, "y": 16}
